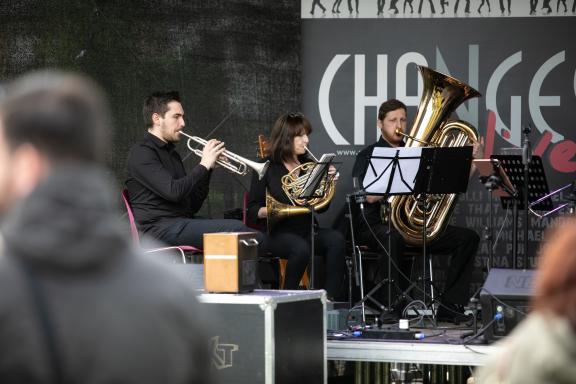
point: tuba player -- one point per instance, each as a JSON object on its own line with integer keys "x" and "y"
{"x": 461, "y": 243}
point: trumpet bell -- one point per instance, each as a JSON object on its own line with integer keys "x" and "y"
{"x": 259, "y": 168}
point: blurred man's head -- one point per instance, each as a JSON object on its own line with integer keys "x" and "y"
{"x": 48, "y": 118}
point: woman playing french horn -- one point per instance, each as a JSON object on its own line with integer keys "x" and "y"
{"x": 290, "y": 237}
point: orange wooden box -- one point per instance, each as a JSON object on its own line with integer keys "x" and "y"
{"x": 230, "y": 262}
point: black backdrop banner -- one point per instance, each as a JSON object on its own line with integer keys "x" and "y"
{"x": 523, "y": 66}
{"x": 234, "y": 62}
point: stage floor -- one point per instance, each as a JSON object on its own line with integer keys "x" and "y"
{"x": 441, "y": 346}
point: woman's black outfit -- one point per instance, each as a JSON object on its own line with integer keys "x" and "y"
{"x": 290, "y": 238}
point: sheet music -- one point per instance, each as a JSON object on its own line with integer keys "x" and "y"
{"x": 380, "y": 169}
{"x": 317, "y": 172}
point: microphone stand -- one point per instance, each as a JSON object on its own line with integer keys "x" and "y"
{"x": 360, "y": 199}
{"x": 526, "y": 159}
{"x": 491, "y": 183}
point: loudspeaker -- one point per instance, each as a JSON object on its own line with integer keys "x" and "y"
{"x": 230, "y": 262}
{"x": 506, "y": 292}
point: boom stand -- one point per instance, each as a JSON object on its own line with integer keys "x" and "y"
{"x": 496, "y": 181}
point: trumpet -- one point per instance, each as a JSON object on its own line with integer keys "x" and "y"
{"x": 231, "y": 161}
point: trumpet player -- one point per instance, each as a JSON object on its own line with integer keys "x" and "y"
{"x": 461, "y": 243}
{"x": 291, "y": 238}
{"x": 164, "y": 197}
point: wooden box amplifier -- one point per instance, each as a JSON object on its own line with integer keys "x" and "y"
{"x": 230, "y": 262}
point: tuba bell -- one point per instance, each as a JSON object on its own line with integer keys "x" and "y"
{"x": 441, "y": 96}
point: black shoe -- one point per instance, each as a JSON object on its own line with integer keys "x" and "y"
{"x": 452, "y": 313}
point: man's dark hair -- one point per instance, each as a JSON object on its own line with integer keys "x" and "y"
{"x": 389, "y": 106}
{"x": 65, "y": 116}
{"x": 157, "y": 102}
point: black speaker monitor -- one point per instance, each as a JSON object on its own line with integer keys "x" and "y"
{"x": 505, "y": 291}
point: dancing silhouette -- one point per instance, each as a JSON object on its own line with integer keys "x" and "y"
{"x": 558, "y": 5}
{"x": 393, "y": 6}
{"x": 431, "y": 6}
{"x": 533, "y": 6}
{"x": 350, "y": 6}
{"x": 466, "y": 8}
{"x": 442, "y": 4}
{"x": 546, "y": 5}
{"x": 381, "y": 4}
{"x": 409, "y": 2}
{"x": 482, "y": 4}
{"x": 317, "y": 3}
{"x": 502, "y": 8}
{"x": 336, "y": 6}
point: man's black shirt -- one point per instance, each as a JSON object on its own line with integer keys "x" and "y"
{"x": 157, "y": 183}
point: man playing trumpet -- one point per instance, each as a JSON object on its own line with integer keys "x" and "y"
{"x": 163, "y": 196}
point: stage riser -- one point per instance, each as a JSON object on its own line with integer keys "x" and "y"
{"x": 389, "y": 373}
{"x": 268, "y": 337}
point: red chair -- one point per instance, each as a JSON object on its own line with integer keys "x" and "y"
{"x": 136, "y": 236}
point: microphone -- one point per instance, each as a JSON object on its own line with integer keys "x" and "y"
{"x": 526, "y": 147}
{"x": 359, "y": 193}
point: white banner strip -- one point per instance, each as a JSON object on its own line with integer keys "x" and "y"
{"x": 220, "y": 257}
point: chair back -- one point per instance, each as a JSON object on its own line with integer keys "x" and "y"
{"x": 136, "y": 235}
{"x": 133, "y": 227}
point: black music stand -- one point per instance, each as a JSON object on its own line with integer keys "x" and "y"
{"x": 391, "y": 171}
{"x": 498, "y": 184}
{"x": 537, "y": 188}
{"x": 429, "y": 170}
{"x": 312, "y": 190}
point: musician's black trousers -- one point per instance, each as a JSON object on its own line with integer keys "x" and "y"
{"x": 458, "y": 243}
{"x": 329, "y": 260}
{"x": 185, "y": 231}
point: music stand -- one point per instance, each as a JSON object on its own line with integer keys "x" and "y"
{"x": 391, "y": 171}
{"x": 312, "y": 190}
{"x": 428, "y": 170}
{"x": 537, "y": 188}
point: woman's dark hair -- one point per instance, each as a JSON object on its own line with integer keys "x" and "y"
{"x": 157, "y": 102}
{"x": 283, "y": 132}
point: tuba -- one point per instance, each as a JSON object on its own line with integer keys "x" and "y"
{"x": 442, "y": 95}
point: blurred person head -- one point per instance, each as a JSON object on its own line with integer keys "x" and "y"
{"x": 48, "y": 118}
{"x": 555, "y": 284}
